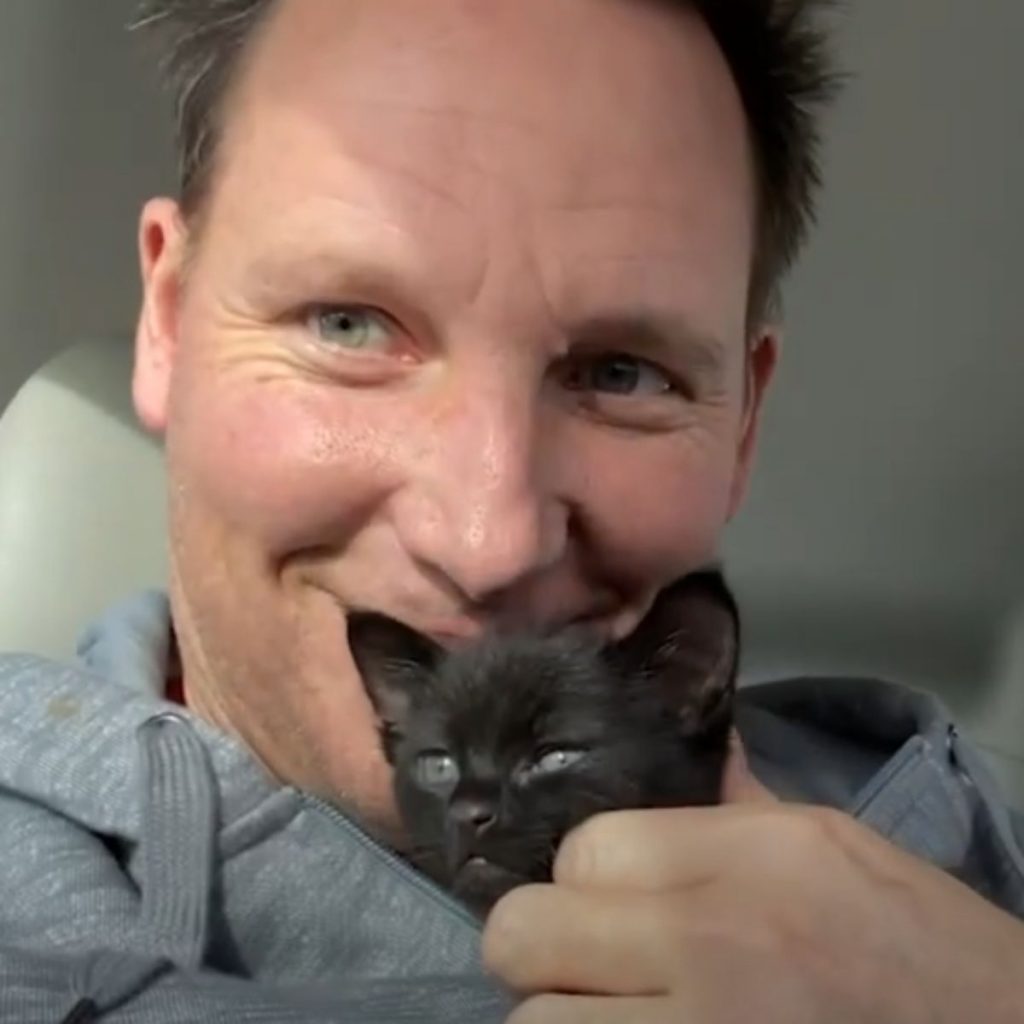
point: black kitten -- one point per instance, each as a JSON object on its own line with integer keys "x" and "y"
{"x": 501, "y": 747}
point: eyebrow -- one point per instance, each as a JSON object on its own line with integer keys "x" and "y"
{"x": 301, "y": 243}
{"x": 659, "y": 335}
{"x": 282, "y": 268}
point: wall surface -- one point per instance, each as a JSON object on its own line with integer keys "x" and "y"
{"x": 887, "y": 516}
{"x": 83, "y": 139}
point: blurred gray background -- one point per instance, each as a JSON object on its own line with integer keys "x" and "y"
{"x": 885, "y": 528}
{"x": 84, "y": 138}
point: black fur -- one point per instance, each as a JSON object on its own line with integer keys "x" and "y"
{"x": 501, "y": 747}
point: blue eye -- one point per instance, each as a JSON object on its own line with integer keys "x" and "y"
{"x": 618, "y": 374}
{"x": 351, "y": 327}
{"x": 436, "y": 768}
{"x": 556, "y": 761}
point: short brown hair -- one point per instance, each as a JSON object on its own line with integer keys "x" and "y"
{"x": 776, "y": 50}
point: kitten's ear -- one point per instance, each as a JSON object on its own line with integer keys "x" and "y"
{"x": 689, "y": 643}
{"x": 394, "y": 661}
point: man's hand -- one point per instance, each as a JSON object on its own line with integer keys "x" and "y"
{"x": 755, "y": 909}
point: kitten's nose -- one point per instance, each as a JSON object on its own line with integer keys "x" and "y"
{"x": 473, "y": 813}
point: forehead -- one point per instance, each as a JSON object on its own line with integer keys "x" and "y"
{"x": 449, "y": 77}
{"x": 604, "y": 128}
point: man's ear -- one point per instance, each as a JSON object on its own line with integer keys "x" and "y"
{"x": 163, "y": 241}
{"x": 761, "y": 358}
{"x": 395, "y": 661}
{"x": 688, "y": 643}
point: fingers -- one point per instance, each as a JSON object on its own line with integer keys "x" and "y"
{"x": 686, "y": 847}
{"x": 588, "y": 942}
{"x": 652, "y": 849}
{"x": 564, "y": 1009}
{"x": 647, "y": 850}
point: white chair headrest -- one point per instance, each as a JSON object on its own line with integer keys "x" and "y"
{"x": 82, "y": 504}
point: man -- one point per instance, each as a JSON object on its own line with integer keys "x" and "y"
{"x": 465, "y": 314}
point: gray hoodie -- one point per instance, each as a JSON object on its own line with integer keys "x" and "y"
{"x": 153, "y": 873}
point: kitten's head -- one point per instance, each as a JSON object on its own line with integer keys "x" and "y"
{"x": 501, "y": 747}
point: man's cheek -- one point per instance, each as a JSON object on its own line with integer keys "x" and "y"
{"x": 271, "y": 463}
{"x": 680, "y": 531}
{"x": 661, "y": 515}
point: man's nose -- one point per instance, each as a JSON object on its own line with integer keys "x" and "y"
{"x": 484, "y": 509}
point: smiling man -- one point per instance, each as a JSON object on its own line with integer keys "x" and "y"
{"x": 458, "y": 339}
{"x": 464, "y": 314}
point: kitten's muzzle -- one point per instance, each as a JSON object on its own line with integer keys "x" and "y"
{"x": 472, "y": 814}
{"x": 481, "y": 883}
{"x": 471, "y": 817}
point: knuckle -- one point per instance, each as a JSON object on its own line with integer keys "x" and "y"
{"x": 578, "y": 858}
{"x": 808, "y": 830}
{"x": 829, "y": 823}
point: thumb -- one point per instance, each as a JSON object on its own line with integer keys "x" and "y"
{"x": 739, "y": 786}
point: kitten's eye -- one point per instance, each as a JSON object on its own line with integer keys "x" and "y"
{"x": 436, "y": 768}
{"x": 556, "y": 761}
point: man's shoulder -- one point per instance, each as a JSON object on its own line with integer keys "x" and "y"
{"x": 121, "y": 659}
{"x": 892, "y": 757}
{"x": 23, "y": 668}
{"x": 44, "y": 695}
{"x": 824, "y": 740}
{"x": 22, "y": 664}
{"x": 65, "y": 734}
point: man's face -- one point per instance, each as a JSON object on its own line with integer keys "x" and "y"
{"x": 463, "y": 339}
